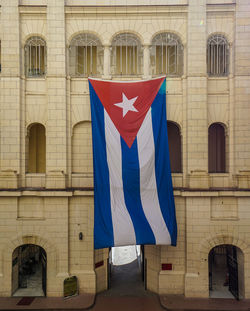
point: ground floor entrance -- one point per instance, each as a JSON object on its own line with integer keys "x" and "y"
{"x": 226, "y": 277}
{"x": 126, "y": 274}
{"x": 29, "y": 269}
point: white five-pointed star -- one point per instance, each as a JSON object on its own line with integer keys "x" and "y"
{"x": 127, "y": 104}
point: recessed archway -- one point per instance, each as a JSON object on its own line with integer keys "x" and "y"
{"x": 226, "y": 272}
{"x": 29, "y": 271}
{"x": 127, "y": 270}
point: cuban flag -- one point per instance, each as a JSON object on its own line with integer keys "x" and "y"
{"x": 133, "y": 194}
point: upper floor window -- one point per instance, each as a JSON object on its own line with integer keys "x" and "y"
{"x": 217, "y": 56}
{"x": 85, "y": 55}
{"x": 166, "y": 55}
{"x": 216, "y": 148}
{"x": 126, "y": 55}
{"x": 35, "y": 57}
{"x": 175, "y": 150}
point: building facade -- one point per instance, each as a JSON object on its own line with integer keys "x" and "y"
{"x": 48, "y": 49}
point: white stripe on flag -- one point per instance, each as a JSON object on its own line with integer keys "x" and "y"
{"x": 148, "y": 187}
{"x": 123, "y": 229}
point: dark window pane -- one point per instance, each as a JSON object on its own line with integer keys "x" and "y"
{"x": 216, "y": 149}
{"x": 174, "y": 142}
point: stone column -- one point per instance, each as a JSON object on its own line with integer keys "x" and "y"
{"x": 106, "y": 62}
{"x": 56, "y": 89}
{"x": 10, "y": 95}
{"x": 146, "y": 62}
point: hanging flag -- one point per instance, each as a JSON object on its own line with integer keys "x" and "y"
{"x": 133, "y": 193}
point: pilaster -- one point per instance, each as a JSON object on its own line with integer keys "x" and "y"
{"x": 242, "y": 82}
{"x": 56, "y": 94}
{"x": 197, "y": 129}
{"x": 106, "y": 62}
{"x": 10, "y": 94}
{"x": 146, "y": 62}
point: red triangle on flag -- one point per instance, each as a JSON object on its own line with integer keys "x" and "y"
{"x": 127, "y": 103}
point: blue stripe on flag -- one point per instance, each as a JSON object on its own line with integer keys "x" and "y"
{"x": 162, "y": 163}
{"x": 103, "y": 227}
{"x": 131, "y": 186}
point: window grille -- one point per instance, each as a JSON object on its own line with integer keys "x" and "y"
{"x": 217, "y": 56}
{"x": 126, "y": 55}
{"x": 35, "y": 57}
{"x": 86, "y": 56}
{"x": 216, "y": 149}
{"x": 166, "y": 55}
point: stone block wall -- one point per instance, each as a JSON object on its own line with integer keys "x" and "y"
{"x": 52, "y": 208}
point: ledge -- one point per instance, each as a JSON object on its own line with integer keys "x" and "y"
{"x": 89, "y": 191}
{"x": 117, "y": 10}
{"x": 32, "y": 9}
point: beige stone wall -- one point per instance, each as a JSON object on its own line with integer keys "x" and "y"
{"x": 53, "y": 219}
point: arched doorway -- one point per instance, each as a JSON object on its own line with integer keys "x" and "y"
{"x": 126, "y": 274}
{"x": 226, "y": 272}
{"x": 29, "y": 271}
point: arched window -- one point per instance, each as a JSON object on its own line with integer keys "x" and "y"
{"x": 82, "y": 148}
{"x": 86, "y": 55}
{"x": 126, "y": 55}
{"x": 35, "y": 57}
{"x": 174, "y": 142}
{"x": 216, "y": 149}
{"x": 37, "y": 149}
{"x": 166, "y": 55}
{"x": 217, "y": 55}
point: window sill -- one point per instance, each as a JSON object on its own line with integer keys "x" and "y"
{"x": 224, "y": 174}
{"x": 168, "y": 77}
{"x": 139, "y": 75}
{"x": 35, "y": 78}
{"x": 30, "y": 218}
{"x": 83, "y": 77}
{"x": 218, "y": 77}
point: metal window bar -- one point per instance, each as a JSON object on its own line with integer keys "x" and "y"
{"x": 85, "y": 66}
{"x": 39, "y": 58}
{"x": 126, "y": 58}
{"x": 91, "y": 60}
{"x": 134, "y": 56}
{"x": 120, "y": 59}
{"x": 217, "y": 61}
{"x": 162, "y": 55}
{"x": 175, "y": 60}
{"x": 29, "y": 69}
